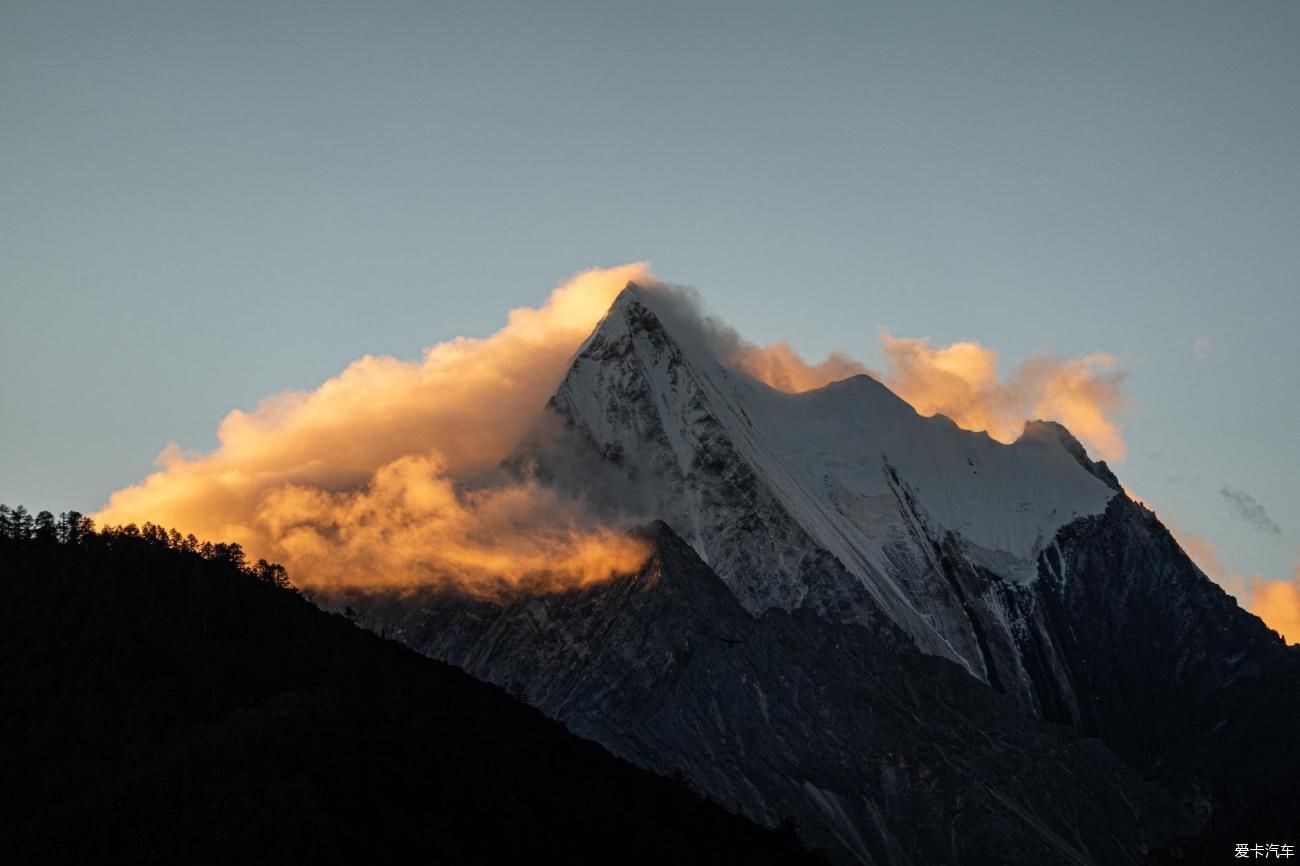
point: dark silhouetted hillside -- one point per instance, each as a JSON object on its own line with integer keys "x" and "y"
{"x": 160, "y": 705}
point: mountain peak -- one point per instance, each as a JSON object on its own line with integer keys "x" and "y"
{"x": 636, "y": 325}
{"x": 633, "y": 288}
{"x": 632, "y": 298}
{"x": 630, "y": 295}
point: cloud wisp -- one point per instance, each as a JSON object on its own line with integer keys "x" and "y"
{"x": 1244, "y": 507}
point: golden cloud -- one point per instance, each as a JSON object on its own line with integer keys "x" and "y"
{"x": 356, "y": 480}
{"x": 781, "y": 367}
{"x": 1277, "y": 602}
{"x": 960, "y": 381}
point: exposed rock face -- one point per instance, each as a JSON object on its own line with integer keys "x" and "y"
{"x": 884, "y": 755}
{"x": 1151, "y": 651}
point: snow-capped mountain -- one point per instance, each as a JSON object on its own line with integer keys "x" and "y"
{"x": 843, "y": 500}
{"x": 860, "y": 543}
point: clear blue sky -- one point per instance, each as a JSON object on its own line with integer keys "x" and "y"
{"x": 203, "y": 204}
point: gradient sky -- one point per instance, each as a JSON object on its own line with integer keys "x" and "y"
{"x": 204, "y": 204}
